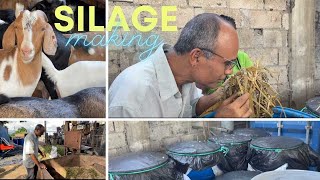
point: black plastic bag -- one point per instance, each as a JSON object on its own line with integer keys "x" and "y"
{"x": 196, "y": 155}
{"x": 143, "y": 165}
{"x": 269, "y": 153}
{"x": 238, "y": 147}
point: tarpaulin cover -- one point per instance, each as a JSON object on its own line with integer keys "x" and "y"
{"x": 238, "y": 175}
{"x": 269, "y": 153}
{"x": 196, "y": 155}
{"x": 4, "y": 134}
{"x": 143, "y": 165}
{"x": 252, "y": 132}
{"x": 205, "y": 174}
{"x": 237, "y": 155}
{"x": 288, "y": 175}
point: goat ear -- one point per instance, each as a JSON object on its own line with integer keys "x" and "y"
{"x": 19, "y": 9}
{"x": 9, "y": 38}
{"x": 50, "y": 41}
{"x": 42, "y": 15}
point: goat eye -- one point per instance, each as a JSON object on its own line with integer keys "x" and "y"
{"x": 43, "y": 29}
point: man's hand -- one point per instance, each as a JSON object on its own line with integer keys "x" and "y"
{"x": 235, "y": 107}
{"x": 42, "y": 166}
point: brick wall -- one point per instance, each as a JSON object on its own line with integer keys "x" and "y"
{"x": 317, "y": 26}
{"x": 263, "y": 27}
{"x": 134, "y": 136}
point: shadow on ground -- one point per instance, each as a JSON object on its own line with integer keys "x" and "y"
{"x": 8, "y": 171}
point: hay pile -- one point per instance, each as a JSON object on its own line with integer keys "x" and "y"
{"x": 253, "y": 80}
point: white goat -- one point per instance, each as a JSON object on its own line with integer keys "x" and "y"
{"x": 76, "y": 77}
{"x": 20, "y": 66}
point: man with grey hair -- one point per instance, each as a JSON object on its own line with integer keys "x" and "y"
{"x": 30, "y": 152}
{"x": 163, "y": 84}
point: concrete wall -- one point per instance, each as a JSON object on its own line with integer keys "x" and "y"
{"x": 317, "y": 48}
{"x": 263, "y": 27}
{"x": 302, "y": 61}
{"x": 135, "y": 136}
{"x": 132, "y": 136}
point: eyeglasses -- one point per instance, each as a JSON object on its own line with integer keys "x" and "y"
{"x": 229, "y": 64}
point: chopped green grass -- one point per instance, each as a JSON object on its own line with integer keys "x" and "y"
{"x": 47, "y": 150}
{"x": 81, "y": 172}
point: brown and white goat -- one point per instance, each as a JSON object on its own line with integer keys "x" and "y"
{"x": 11, "y": 4}
{"x": 20, "y": 66}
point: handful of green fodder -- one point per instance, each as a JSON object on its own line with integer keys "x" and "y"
{"x": 252, "y": 80}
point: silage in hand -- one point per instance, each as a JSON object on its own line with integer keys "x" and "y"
{"x": 252, "y": 80}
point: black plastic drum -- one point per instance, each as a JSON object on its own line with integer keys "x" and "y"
{"x": 144, "y": 165}
{"x": 269, "y": 153}
{"x": 195, "y": 155}
{"x": 238, "y": 147}
{"x": 313, "y": 105}
{"x": 288, "y": 174}
{"x": 252, "y": 132}
{"x": 238, "y": 175}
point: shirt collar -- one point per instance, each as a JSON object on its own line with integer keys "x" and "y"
{"x": 167, "y": 84}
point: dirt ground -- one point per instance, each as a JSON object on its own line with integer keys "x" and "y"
{"x": 11, "y": 166}
{"x": 15, "y": 171}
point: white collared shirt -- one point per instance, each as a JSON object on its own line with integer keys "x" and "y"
{"x": 148, "y": 89}
{"x": 30, "y": 146}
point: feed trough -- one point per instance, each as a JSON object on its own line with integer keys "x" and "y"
{"x": 74, "y": 167}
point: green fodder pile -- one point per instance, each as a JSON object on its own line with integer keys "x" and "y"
{"x": 83, "y": 173}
